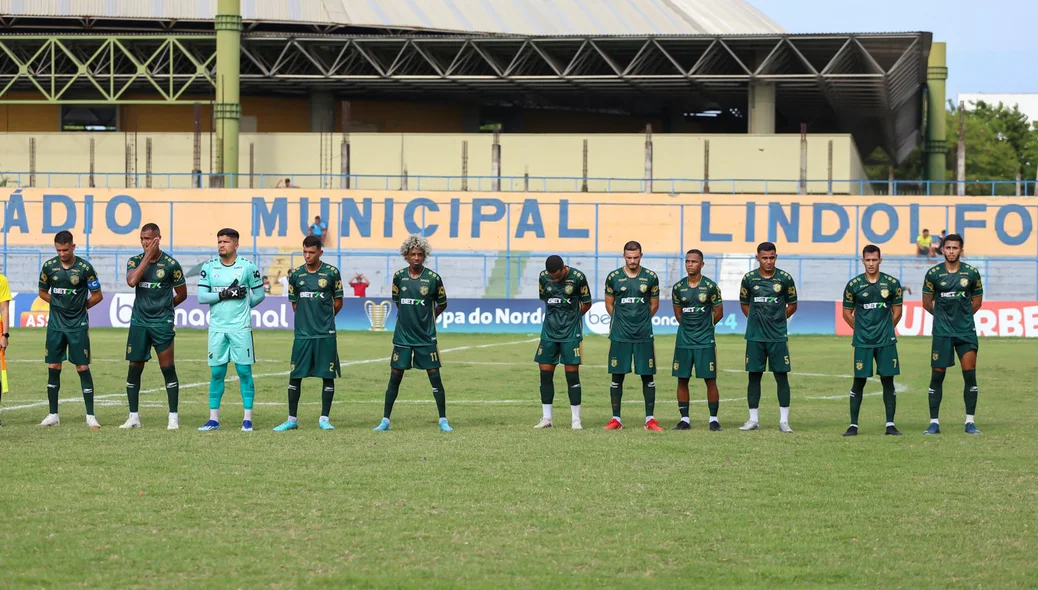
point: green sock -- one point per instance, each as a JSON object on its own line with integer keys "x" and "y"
{"x": 169, "y": 375}
{"x": 391, "y": 392}
{"x": 782, "y": 380}
{"x": 889, "y": 397}
{"x": 438, "y": 394}
{"x": 53, "y": 387}
{"x": 327, "y": 396}
{"x": 217, "y": 377}
{"x": 970, "y": 391}
{"x": 295, "y": 391}
{"x": 753, "y": 390}
{"x": 857, "y": 390}
{"x": 936, "y": 392}
{"x": 649, "y": 393}
{"x": 133, "y": 387}
{"x": 547, "y": 387}
{"x": 683, "y": 409}
{"x": 86, "y": 382}
{"x": 616, "y": 393}
{"x": 714, "y": 406}
{"x": 573, "y": 387}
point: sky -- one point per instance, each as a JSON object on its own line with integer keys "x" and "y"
{"x": 991, "y": 45}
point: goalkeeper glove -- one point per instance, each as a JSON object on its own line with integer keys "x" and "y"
{"x": 232, "y": 291}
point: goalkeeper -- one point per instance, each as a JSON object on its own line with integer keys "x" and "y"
{"x": 232, "y": 285}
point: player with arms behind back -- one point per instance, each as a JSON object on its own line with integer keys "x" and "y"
{"x": 632, "y": 296}
{"x": 698, "y": 308}
{"x": 872, "y": 308}
{"x": 159, "y": 286}
{"x": 567, "y": 297}
{"x": 953, "y": 293}
{"x": 420, "y": 298}
{"x": 768, "y": 298}
{"x": 315, "y": 291}
{"x": 231, "y": 286}
{"x": 69, "y": 284}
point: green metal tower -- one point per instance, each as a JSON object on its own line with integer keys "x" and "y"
{"x": 227, "y": 111}
{"x": 937, "y": 124}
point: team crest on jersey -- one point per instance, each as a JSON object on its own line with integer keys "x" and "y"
{"x": 702, "y": 297}
{"x": 859, "y": 365}
{"x": 423, "y": 290}
{"x": 643, "y": 287}
{"x": 777, "y": 287}
{"x": 568, "y": 289}
{"x": 677, "y": 366}
{"x": 935, "y": 356}
{"x": 964, "y": 281}
{"x": 74, "y": 280}
{"x": 160, "y": 273}
{"x": 613, "y": 362}
{"x": 884, "y": 293}
{"x": 322, "y": 283}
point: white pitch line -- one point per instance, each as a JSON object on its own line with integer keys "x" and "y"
{"x": 278, "y": 374}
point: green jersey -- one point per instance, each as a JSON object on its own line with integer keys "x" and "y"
{"x": 697, "y": 312}
{"x": 953, "y": 294}
{"x": 416, "y": 300}
{"x": 562, "y": 301}
{"x": 632, "y": 318}
{"x": 69, "y": 289}
{"x": 767, "y": 298}
{"x": 230, "y": 315}
{"x": 153, "y": 300}
{"x": 314, "y": 295}
{"x": 873, "y": 309}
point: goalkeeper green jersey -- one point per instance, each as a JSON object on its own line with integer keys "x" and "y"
{"x": 416, "y": 299}
{"x": 230, "y": 315}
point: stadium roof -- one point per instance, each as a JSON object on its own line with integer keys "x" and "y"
{"x": 517, "y": 17}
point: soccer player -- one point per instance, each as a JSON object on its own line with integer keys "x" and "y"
{"x": 697, "y": 307}
{"x": 768, "y": 298}
{"x": 567, "y": 298}
{"x": 952, "y": 293}
{"x": 315, "y": 291}
{"x": 69, "y": 284}
{"x": 420, "y": 298}
{"x": 232, "y": 286}
{"x": 159, "y": 286}
{"x": 632, "y": 296}
{"x": 872, "y": 307}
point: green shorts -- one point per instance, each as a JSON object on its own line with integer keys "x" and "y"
{"x": 760, "y": 356}
{"x": 885, "y": 358}
{"x": 642, "y": 355}
{"x": 234, "y": 347}
{"x": 315, "y": 357}
{"x": 551, "y": 353}
{"x": 704, "y": 360}
{"x": 75, "y": 342}
{"x": 421, "y": 357}
{"x": 141, "y": 339}
{"x": 943, "y": 349}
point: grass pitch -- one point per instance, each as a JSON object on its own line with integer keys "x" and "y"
{"x": 498, "y": 504}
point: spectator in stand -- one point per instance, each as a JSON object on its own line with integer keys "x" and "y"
{"x": 939, "y": 241}
{"x": 320, "y": 229}
{"x": 286, "y": 183}
{"x": 924, "y": 244}
{"x": 360, "y": 283}
{"x": 283, "y": 281}
{"x": 266, "y": 285}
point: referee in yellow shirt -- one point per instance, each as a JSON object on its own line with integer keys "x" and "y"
{"x": 5, "y": 316}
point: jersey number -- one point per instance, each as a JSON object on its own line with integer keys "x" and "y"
{"x": 434, "y": 356}
{"x": 331, "y": 366}
{"x": 895, "y": 363}
{"x": 576, "y": 352}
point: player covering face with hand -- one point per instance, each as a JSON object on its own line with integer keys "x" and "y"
{"x": 232, "y": 286}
